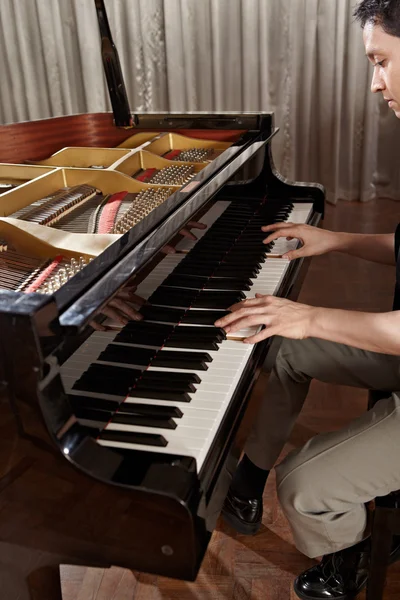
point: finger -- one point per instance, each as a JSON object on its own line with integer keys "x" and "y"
{"x": 268, "y": 332}
{"x": 249, "y": 320}
{"x": 197, "y": 225}
{"x": 188, "y": 234}
{"x": 279, "y": 234}
{"x": 264, "y": 334}
{"x": 276, "y": 226}
{"x": 126, "y": 294}
{"x": 138, "y": 300}
{"x": 295, "y": 253}
{"x": 130, "y": 296}
{"x": 130, "y": 286}
{"x": 168, "y": 250}
{"x": 97, "y": 326}
{"x": 259, "y": 299}
{"x": 113, "y": 313}
{"x": 230, "y": 320}
{"x": 125, "y": 309}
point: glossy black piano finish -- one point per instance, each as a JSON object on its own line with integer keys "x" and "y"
{"x": 65, "y": 497}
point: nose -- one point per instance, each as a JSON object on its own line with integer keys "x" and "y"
{"x": 377, "y": 84}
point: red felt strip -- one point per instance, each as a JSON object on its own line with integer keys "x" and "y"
{"x": 172, "y": 154}
{"x": 146, "y": 175}
{"x": 35, "y": 285}
{"x": 109, "y": 212}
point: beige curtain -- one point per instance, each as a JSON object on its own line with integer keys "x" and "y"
{"x": 302, "y": 59}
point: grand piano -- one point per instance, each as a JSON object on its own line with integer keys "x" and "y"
{"x": 116, "y": 446}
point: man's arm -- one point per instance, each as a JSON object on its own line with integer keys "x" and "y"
{"x": 376, "y": 247}
{"x": 376, "y": 332}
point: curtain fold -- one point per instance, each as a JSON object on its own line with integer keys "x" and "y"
{"x": 302, "y": 59}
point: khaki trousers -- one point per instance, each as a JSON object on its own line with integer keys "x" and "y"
{"x": 323, "y": 486}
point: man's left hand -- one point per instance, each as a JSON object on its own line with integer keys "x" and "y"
{"x": 280, "y": 317}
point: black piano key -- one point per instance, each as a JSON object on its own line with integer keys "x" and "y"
{"x": 149, "y": 328}
{"x": 217, "y": 299}
{"x": 215, "y": 333}
{"x": 170, "y": 377}
{"x": 93, "y": 414}
{"x": 195, "y": 344}
{"x": 229, "y": 271}
{"x": 158, "y": 313}
{"x": 127, "y": 336}
{"x": 128, "y": 355}
{"x": 184, "y": 361}
{"x": 174, "y": 355}
{"x": 78, "y": 401}
{"x": 143, "y": 421}
{"x": 151, "y": 410}
{"x": 135, "y": 408}
{"x": 107, "y": 379}
{"x": 187, "y": 281}
{"x": 160, "y": 395}
{"x": 167, "y": 386}
{"x": 203, "y": 317}
{"x": 241, "y": 260}
{"x": 198, "y": 283}
{"x": 220, "y": 271}
{"x": 107, "y": 372}
{"x": 146, "y": 439}
{"x": 242, "y": 255}
{"x": 101, "y": 386}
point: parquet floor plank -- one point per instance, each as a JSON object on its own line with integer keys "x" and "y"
{"x": 263, "y": 567}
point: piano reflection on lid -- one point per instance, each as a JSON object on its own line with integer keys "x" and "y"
{"x": 116, "y": 446}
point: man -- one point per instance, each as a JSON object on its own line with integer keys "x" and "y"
{"x": 323, "y": 487}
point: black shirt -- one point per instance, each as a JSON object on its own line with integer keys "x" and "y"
{"x": 396, "y": 301}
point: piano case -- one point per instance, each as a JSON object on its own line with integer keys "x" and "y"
{"x": 76, "y": 487}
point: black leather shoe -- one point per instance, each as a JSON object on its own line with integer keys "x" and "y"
{"x": 339, "y": 576}
{"x": 243, "y": 515}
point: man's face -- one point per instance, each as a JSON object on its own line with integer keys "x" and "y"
{"x": 383, "y": 51}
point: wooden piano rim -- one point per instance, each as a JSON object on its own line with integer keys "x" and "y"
{"x": 37, "y": 140}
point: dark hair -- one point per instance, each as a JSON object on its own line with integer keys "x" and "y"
{"x": 386, "y": 13}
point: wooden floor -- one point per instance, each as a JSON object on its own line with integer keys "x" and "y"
{"x": 263, "y": 567}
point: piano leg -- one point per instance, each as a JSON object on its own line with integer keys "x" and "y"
{"x": 26, "y": 574}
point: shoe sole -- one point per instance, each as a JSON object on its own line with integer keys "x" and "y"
{"x": 238, "y": 525}
{"x": 346, "y": 597}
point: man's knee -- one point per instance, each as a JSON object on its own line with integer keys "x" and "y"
{"x": 297, "y": 487}
{"x": 293, "y": 358}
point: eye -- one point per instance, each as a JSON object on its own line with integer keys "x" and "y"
{"x": 380, "y": 64}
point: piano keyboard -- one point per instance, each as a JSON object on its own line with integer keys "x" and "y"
{"x": 165, "y": 384}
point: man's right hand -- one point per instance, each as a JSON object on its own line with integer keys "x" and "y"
{"x": 314, "y": 241}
